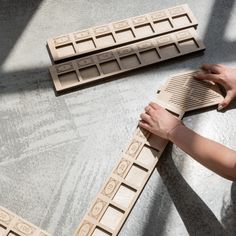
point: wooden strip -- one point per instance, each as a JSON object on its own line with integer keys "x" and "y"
{"x": 99, "y": 66}
{"x": 13, "y": 225}
{"x": 117, "y": 33}
{"x": 117, "y": 197}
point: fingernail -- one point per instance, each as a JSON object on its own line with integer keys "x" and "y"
{"x": 220, "y": 107}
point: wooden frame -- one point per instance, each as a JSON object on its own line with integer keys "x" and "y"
{"x": 117, "y": 197}
{"x": 98, "y": 66}
{"x": 121, "y": 32}
{"x": 13, "y": 225}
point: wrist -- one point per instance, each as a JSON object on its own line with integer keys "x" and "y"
{"x": 172, "y": 134}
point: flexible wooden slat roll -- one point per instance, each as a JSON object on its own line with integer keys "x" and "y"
{"x": 96, "y": 67}
{"x": 118, "y": 195}
{"x": 121, "y": 32}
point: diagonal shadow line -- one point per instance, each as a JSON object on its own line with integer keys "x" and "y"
{"x": 218, "y": 48}
{"x": 196, "y": 215}
{"x": 14, "y": 17}
{"x": 30, "y": 79}
{"x": 25, "y": 81}
{"x": 219, "y": 19}
{"x": 228, "y": 212}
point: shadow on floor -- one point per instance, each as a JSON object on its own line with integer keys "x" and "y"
{"x": 219, "y": 49}
{"x": 195, "y": 214}
{"x": 25, "y": 81}
{"x": 228, "y": 212}
{"x": 14, "y": 17}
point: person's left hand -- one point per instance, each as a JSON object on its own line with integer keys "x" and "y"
{"x": 158, "y": 121}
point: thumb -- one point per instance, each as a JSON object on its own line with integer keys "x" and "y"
{"x": 228, "y": 98}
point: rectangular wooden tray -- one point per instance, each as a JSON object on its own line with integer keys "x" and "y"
{"x": 114, "y": 202}
{"x": 121, "y": 32}
{"x": 96, "y": 67}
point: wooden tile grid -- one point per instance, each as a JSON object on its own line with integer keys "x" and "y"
{"x": 13, "y": 225}
{"x": 117, "y": 33}
{"x": 109, "y": 211}
{"x": 92, "y": 68}
{"x": 93, "y": 219}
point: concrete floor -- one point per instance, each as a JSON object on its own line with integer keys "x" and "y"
{"x": 56, "y": 152}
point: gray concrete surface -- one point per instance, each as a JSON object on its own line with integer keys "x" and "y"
{"x": 55, "y": 152}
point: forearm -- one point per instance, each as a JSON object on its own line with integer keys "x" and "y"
{"x": 213, "y": 155}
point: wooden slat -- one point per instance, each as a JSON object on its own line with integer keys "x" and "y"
{"x": 121, "y": 32}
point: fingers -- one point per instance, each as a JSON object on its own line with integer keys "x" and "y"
{"x": 212, "y": 68}
{"x": 148, "y": 110}
{"x": 212, "y": 77}
{"x": 228, "y": 98}
{"x": 145, "y": 117}
{"x": 144, "y": 125}
{"x": 154, "y": 105}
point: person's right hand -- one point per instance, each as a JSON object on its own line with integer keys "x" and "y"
{"x": 223, "y": 75}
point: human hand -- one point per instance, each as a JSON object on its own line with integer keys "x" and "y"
{"x": 223, "y": 75}
{"x": 158, "y": 121}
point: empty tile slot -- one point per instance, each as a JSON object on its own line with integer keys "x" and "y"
{"x": 2, "y": 230}
{"x": 89, "y": 72}
{"x": 124, "y": 35}
{"x": 130, "y": 61}
{"x": 65, "y": 50}
{"x": 136, "y": 175}
{"x": 168, "y": 51}
{"x": 188, "y": 45}
{"x": 12, "y": 234}
{"x": 105, "y": 40}
{"x": 162, "y": 25}
{"x": 182, "y": 20}
{"x": 100, "y": 232}
{"x": 110, "y": 67}
{"x": 142, "y": 30}
{"x": 85, "y": 45}
{"x": 68, "y": 79}
{"x": 112, "y": 217}
{"x": 150, "y": 56}
{"x": 147, "y": 156}
{"x": 124, "y": 196}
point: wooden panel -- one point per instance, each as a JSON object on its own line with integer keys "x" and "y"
{"x": 92, "y": 68}
{"x": 186, "y": 93}
{"x": 117, "y": 33}
{"x": 13, "y": 225}
{"x": 117, "y": 197}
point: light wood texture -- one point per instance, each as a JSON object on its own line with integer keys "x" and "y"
{"x": 13, "y": 225}
{"x": 124, "y": 31}
{"x": 118, "y": 195}
{"x": 96, "y": 67}
{"x": 187, "y": 94}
